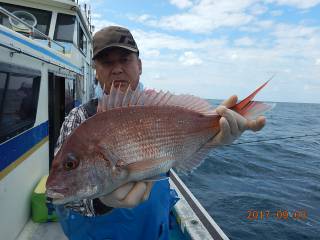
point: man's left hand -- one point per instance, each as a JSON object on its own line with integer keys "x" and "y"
{"x": 128, "y": 195}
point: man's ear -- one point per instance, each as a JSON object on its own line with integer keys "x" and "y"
{"x": 140, "y": 66}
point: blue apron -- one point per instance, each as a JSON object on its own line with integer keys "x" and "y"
{"x": 149, "y": 220}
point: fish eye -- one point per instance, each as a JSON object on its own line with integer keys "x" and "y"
{"x": 71, "y": 162}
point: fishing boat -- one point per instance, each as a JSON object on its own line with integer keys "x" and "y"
{"x": 45, "y": 71}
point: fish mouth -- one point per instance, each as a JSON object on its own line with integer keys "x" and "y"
{"x": 55, "y": 197}
{"x": 58, "y": 198}
{"x": 58, "y": 195}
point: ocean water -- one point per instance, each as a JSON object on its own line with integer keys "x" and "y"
{"x": 266, "y": 189}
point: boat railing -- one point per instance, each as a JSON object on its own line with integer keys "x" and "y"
{"x": 210, "y": 225}
{"x": 32, "y": 28}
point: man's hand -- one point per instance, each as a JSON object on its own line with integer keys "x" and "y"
{"x": 128, "y": 195}
{"x": 232, "y": 124}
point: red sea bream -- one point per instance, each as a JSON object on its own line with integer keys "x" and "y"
{"x": 135, "y": 136}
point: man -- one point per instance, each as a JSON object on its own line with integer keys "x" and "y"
{"x": 135, "y": 210}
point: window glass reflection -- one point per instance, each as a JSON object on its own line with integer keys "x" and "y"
{"x": 42, "y": 18}
{"x": 64, "y": 28}
{"x": 19, "y": 98}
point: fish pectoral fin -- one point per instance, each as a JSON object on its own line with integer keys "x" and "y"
{"x": 156, "y": 178}
{"x": 109, "y": 155}
{"x": 143, "y": 165}
{"x": 189, "y": 164}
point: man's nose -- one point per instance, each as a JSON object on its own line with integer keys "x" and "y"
{"x": 117, "y": 68}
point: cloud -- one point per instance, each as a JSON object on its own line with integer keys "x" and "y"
{"x": 302, "y": 4}
{"x": 234, "y": 56}
{"x": 190, "y": 59}
{"x": 80, "y": 2}
{"x": 295, "y": 31}
{"x": 152, "y": 53}
{"x": 276, "y": 13}
{"x": 149, "y": 40}
{"x": 99, "y": 22}
{"x": 181, "y": 3}
{"x": 207, "y": 15}
{"x": 143, "y": 18}
{"x": 258, "y": 9}
{"x": 245, "y": 41}
{"x": 310, "y": 87}
{"x": 291, "y": 51}
{"x": 257, "y": 26}
{"x": 240, "y": 45}
{"x": 96, "y": 15}
{"x": 264, "y": 24}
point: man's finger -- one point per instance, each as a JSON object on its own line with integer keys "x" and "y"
{"x": 121, "y": 192}
{"x": 147, "y": 192}
{"x": 224, "y": 127}
{"x": 134, "y": 197}
{"x": 221, "y": 110}
{"x": 230, "y": 102}
{"x": 256, "y": 125}
{"x": 232, "y": 121}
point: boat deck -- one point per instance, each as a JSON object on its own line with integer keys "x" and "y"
{"x": 42, "y": 231}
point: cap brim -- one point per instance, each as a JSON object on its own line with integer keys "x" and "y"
{"x": 115, "y": 46}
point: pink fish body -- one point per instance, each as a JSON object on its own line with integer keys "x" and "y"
{"x": 135, "y": 136}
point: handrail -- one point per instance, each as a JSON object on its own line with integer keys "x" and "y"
{"x": 9, "y": 14}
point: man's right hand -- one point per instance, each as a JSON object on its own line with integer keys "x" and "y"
{"x": 232, "y": 124}
{"x": 128, "y": 195}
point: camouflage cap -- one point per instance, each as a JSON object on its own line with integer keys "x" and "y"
{"x": 113, "y": 36}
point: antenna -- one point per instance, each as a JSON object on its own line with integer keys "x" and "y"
{"x": 89, "y": 15}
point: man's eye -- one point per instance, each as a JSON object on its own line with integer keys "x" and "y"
{"x": 106, "y": 62}
{"x": 125, "y": 60}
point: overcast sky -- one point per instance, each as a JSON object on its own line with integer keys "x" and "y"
{"x": 214, "y": 49}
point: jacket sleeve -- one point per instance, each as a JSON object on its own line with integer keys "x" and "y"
{"x": 72, "y": 121}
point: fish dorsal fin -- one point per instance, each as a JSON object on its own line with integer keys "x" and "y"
{"x": 147, "y": 97}
{"x": 241, "y": 105}
{"x": 252, "y": 109}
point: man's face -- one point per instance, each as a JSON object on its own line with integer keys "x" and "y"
{"x": 120, "y": 67}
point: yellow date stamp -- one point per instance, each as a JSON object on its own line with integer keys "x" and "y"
{"x": 279, "y": 214}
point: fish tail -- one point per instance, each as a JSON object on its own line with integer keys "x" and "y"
{"x": 252, "y": 109}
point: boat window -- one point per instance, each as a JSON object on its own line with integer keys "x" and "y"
{"x": 64, "y": 28}
{"x": 69, "y": 99}
{"x": 82, "y": 40}
{"x": 40, "y": 19}
{"x": 19, "y": 91}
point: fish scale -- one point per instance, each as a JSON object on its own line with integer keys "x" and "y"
{"x": 165, "y": 135}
